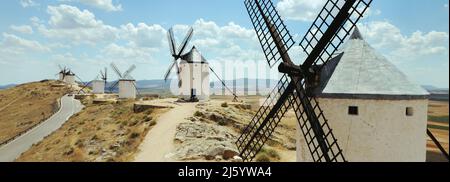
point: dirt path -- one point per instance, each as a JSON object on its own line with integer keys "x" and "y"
{"x": 158, "y": 143}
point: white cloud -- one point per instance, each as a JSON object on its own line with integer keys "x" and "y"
{"x": 28, "y": 3}
{"x": 14, "y": 44}
{"x": 419, "y": 45}
{"x": 371, "y": 12}
{"x": 116, "y": 52}
{"x": 423, "y": 56}
{"x": 308, "y": 10}
{"x": 103, "y": 4}
{"x": 143, "y": 35}
{"x": 73, "y": 25}
{"x": 25, "y": 29}
{"x": 300, "y": 10}
{"x": 70, "y": 17}
{"x": 106, "y": 5}
{"x": 231, "y": 42}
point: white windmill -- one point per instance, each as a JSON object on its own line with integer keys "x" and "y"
{"x": 66, "y": 75}
{"x": 126, "y": 83}
{"x": 192, "y": 70}
{"x": 98, "y": 85}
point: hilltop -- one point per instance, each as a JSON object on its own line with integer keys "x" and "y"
{"x": 24, "y": 106}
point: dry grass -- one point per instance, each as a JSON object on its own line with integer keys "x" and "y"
{"x": 283, "y": 136}
{"x": 268, "y": 155}
{"x": 254, "y": 101}
{"x": 106, "y": 132}
{"x": 438, "y": 123}
{"x": 24, "y": 106}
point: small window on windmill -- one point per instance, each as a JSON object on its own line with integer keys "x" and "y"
{"x": 353, "y": 110}
{"x": 409, "y": 111}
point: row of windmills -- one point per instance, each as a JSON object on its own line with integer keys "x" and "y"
{"x": 192, "y": 69}
{"x": 126, "y": 84}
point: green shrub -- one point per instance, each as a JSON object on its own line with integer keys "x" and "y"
{"x": 134, "y": 135}
{"x": 262, "y": 158}
{"x": 198, "y": 114}
{"x": 152, "y": 123}
{"x": 273, "y": 154}
{"x": 147, "y": 118}
{"x": 224, "y": 104}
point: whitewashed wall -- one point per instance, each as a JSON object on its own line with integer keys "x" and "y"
{"x": 194, "y": 76}
{"x": 381, "y": 132}
{"x": 69, "y": 79}
{"x": 127, "y": 89}
{"x": 98, "y": 86}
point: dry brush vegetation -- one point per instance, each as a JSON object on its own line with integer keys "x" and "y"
{"x": 24, "y": 106}
{"x": 100, "y": 132}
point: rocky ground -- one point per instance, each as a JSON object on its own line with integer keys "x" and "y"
{"x": 210, "y": 134}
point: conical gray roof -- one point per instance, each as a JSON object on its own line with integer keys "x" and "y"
{"x": 356, "y": 34}
{"x": 360, "y": 72}
{"x": 193, "y": 56}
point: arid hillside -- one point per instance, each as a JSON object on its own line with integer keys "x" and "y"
{"x": 103, "y": 132}
{"x": 24, "y": 106}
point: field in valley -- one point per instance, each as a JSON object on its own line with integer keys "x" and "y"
{"x": 438, "y": 124}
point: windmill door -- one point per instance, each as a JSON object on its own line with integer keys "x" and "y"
{"x": 193, "y": 92}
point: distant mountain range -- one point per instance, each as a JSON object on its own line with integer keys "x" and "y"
{"x": 264, "y": 85}
{"x": 437, "y": 93}
{"x": 7, "y": 86}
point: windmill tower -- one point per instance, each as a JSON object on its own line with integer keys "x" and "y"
{"x": 66, "y": 75}
{"x": 375, "y": 111}
{"x": 98, "y": 85}
{"x": 333, "y": 25}
{"x": 192, "y": 70}
{"x": 378, "y": 113}
{"x": 126, "y": 83}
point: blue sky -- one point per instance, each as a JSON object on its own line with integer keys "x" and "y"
{"x": 86, "y": 35}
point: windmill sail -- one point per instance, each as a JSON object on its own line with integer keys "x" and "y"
{"x": 262, "y": 13}
{"x": 172, "y": 42}
{"x": 166, "y": 76}
{"x": 260, "y": 128}
{"x": 127, "y": 73}
{"x": 176, "y": 53}
{"x": 116, "y": 70}
{"x": 185, "y": 42}
{"x": 276, "y": 41}
{"x": 331, "y": 27}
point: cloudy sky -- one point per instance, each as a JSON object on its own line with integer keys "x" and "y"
{"x": 86, "y": 35}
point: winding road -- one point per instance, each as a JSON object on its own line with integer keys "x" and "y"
{"x": 69, "y": 106}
